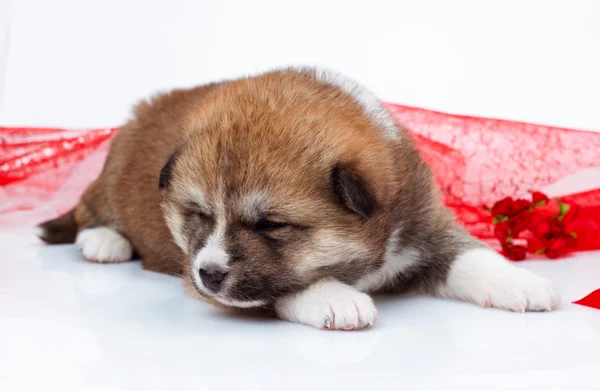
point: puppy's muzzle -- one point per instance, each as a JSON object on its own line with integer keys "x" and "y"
{"x": 212, "y": 278}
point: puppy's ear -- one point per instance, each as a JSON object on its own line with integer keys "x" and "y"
{"x": 165, "y": 174}
{"x": 353, "y": 191}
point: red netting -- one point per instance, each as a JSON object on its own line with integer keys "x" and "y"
{"x": 44, "y": 171}
{"x": 476, "y": 161}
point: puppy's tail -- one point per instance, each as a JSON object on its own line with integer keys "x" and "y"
{"x": 60, "y": 230}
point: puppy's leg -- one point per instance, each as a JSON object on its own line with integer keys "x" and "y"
{"x": 484, "y": 277}
{"x": 104, "y": 245}
{"x": 328, "y": 304}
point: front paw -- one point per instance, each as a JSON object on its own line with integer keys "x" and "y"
{"x": 522, "y": 291}
{"x": 104, "y": 245}
{"x": 329, "y": 305}
{"x": 486, "y": 278}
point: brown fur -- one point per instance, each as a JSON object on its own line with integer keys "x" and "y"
{"x": 258, "y": 135}
{"x": 126, "y": 196}
{"x": 282, "y": 134}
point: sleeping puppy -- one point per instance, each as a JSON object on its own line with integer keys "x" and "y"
{"x": 293, "y": 190}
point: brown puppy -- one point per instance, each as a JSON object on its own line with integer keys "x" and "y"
{"x": 294, "y": 189}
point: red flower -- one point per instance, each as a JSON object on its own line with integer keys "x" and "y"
{"x": 535, "y": 245}
{"x": 520, "y": 223}
{"x": 556, "y": 228}
{"x": 572, "y": 241}
{"x": 545, "y": 226}
{"x": 538, "y": 198}
{"x": 519, "y": 206}
{"x": 556, "y": 247}
{"x": 502, "y": 207}
{"x": 508, "y": 207}
{"x": 570, "y": 214}
{"x": 515, "y": 253}
{"x": 501, "y": 232}
{"x": 542, "y": 228}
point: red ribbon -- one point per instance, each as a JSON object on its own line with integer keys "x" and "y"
{"x": 592, "y": 300}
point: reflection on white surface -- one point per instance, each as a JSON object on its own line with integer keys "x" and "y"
{"x": 66, "y": 324}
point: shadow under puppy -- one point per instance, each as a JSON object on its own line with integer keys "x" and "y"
{"x": 294, "y": 190}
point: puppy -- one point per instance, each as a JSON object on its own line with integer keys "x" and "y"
{"x": 293, "y": 190}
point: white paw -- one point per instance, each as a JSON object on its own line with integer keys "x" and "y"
{"x": 329, "y": 304}
{"x": 486, "y": 278}
{"x": 524, "y": 291}
{"x": 104, "y": 245}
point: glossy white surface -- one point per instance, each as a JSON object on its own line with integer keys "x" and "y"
{"x": 66, "y": 324}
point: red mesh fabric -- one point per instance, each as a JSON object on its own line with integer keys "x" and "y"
{"x": 44, "y": 171}
{"x": 476, "y": 162}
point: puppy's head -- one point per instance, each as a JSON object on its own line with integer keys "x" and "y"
{"x": 282, "y": 180}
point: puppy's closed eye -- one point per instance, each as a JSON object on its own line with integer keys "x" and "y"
{"x": 270, "y": 225}
{"x": 194, "y": 212}
{"x": 277, "y": 232}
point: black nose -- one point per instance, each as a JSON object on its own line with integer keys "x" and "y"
{"x": 212, "y": 278}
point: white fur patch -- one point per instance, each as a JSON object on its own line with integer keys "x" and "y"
{"x": 328, "y": 304}
{"x": 395, "y": 263}
{"x": 371, "y": 105}
{"x": 213, "y": 253}
{"x": 484, "y": 277}
{"x": 104, "y": 245}
{"x": 197, "y": 196}
{"x": 175, "y": 223}
{"x": 241, "y": 304}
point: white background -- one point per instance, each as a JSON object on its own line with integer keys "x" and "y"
{"x": 77, "y": 63}
{"x": 67, "y": 324}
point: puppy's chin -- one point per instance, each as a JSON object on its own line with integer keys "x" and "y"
{"x": 240, "y": 304}
{"x": 197, "y": 292}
